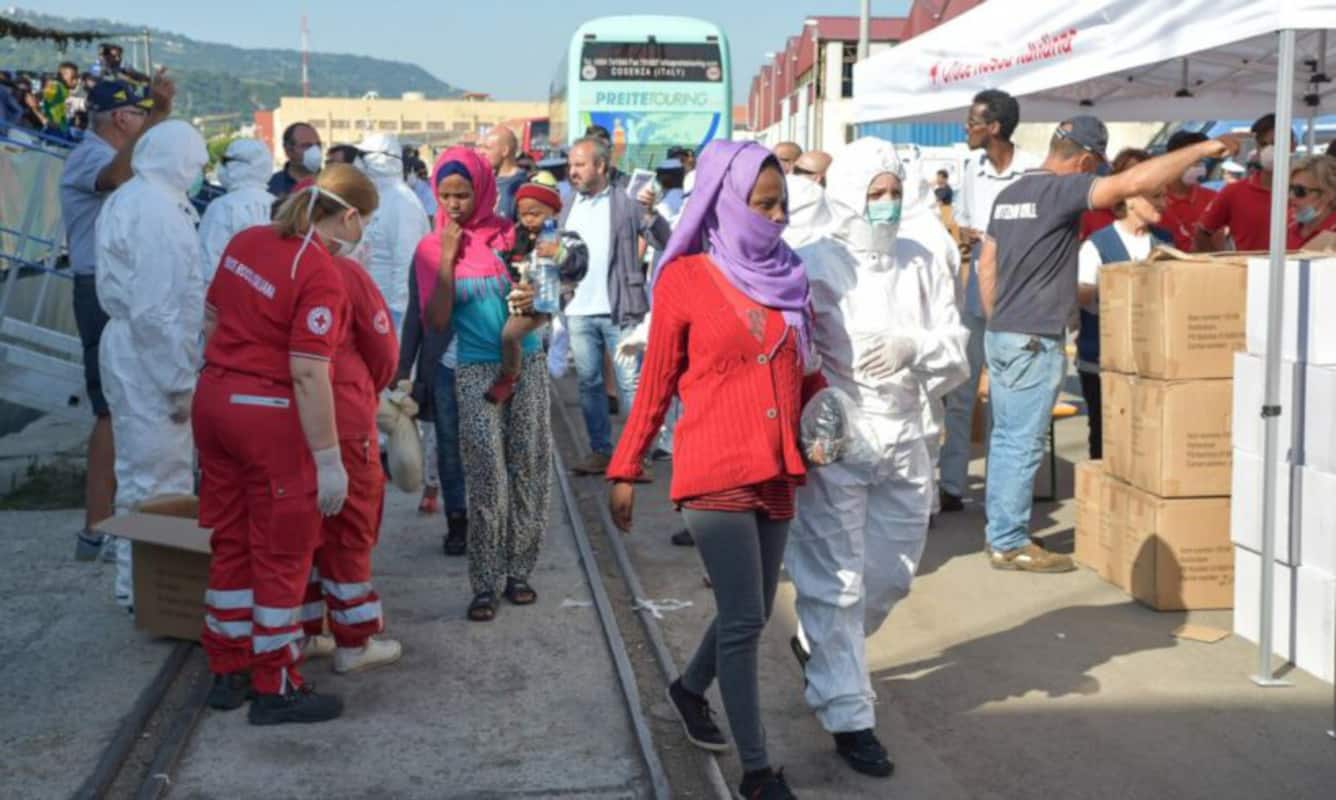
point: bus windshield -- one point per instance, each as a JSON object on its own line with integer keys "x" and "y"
{"x": 651, "y": 82}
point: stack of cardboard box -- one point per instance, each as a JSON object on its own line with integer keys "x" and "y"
{"x": 1304, "y": 607}
{"x": 1153, "y": 516}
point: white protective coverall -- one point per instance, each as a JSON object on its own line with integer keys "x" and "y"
{"x": 921, "y": 222}
{"x": 810, "y": 217}
{"x": 860, "y": 530}
{"x": 150, "y": 281}
{"x": 398, "y": 225}
{"x": 245, "y": 175}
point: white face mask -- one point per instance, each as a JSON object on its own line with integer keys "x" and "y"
{"x": 312, "y": 159}
{"x": 346, "y": 249}
{"x": 1267, "y": 158}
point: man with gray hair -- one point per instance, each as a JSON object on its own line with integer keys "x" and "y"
{"x": 119, "y": 116}
{"x": 613, "y": 297}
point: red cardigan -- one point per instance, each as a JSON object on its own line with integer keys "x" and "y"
{"x": 740, "y": 407}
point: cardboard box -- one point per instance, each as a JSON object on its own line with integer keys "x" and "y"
{"x": 1250, "y": 396}
{"x": 1246, "y": 507}
{"x": 1247, "y": 602}
{"x": 1180, "y": 432}
{"x": 1171, "y": 554}
{"x": 1089, "y": 484}
{"x": 1116, "y": 410}
{"x": 1308, "y": 333}
{"x": 1115, "y": 319}
{"x": 1315, "y": 622}
{"x": 1319, "y": 418}
{"x": 1188, "y": 315}
{"x": 171, "y": 559}
{"x": 1316, "y": 513}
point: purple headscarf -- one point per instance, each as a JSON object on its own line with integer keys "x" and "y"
{"x": 747, "y": 247}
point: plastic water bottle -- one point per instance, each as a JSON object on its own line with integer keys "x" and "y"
{"x": 545, "y": 275}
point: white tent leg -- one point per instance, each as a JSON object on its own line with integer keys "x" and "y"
{"x": 1280, "y": 182}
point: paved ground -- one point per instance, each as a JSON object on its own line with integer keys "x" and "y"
{"x": 1001, "y": 685}
{"x": 71, "y": 662}
{"x": 527, "y": 706}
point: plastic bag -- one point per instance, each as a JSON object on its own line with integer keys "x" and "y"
{"x": 403, "y": 451}
{"x": 833, "y": 429}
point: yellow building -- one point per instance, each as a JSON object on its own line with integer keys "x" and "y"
{"x": 434, "y": 123}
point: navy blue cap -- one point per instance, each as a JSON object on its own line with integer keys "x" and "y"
{"x": 1088, "y": 133}
{"x": 669, "y": 164}
{"x": 111, "y": 95}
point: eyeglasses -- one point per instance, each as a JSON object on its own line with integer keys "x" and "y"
{"x": 975, "y": 122}
{"x": 1302, "y": 192}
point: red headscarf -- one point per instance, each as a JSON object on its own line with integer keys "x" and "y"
{"x": 484, "y": 232}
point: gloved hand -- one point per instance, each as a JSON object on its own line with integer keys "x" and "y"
{"x": 633, "y": 344}
{"x": 887, "y": 356}
{"x": 331, "y": 480}
{"x": 178, "y": 404}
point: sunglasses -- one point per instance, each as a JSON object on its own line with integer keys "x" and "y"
{"x": 1302, "y": 192}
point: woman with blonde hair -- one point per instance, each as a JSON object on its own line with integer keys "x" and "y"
{"x": 268, "y": 443}
{"x": 1312, "y": 200}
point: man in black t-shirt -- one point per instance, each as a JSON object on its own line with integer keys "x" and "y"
{"x": 943, "y": 191}
{"x": 1028, "y": 279}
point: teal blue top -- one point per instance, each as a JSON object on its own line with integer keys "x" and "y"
{"x": 480, "y": 314}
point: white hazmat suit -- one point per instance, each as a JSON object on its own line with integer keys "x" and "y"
{"x": 810, "y": 217}
{"x": 398, "y": 225}
{"x": 150, "y": 281}
{"x": 860, "y": 530}
{"x": 245, "y": 175}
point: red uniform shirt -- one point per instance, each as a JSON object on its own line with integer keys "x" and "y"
{"x": 1092, "y": 221}
{"x": 265, "y": 313}
{"x": 1182, "y": 213}
{"x": 1245, "y": 208}
{"x": 1296, "y": 240}
{"x": 366, "y": 358}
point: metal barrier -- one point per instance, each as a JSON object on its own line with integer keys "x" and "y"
{"x": 41, "y": 357}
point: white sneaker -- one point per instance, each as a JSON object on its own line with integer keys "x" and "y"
{"x": 376, "y": 653}
{"x": 319, "y": 646}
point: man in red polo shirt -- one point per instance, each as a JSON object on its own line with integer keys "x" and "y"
{"x": 1244, "y": 207}
{"x": 1186, "y": 200}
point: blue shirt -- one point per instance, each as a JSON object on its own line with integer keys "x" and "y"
{"x": 480, "y": 314}
{"x": 81, "y": 202}
{"x": 506, "y": 189}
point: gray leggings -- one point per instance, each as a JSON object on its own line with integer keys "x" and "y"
{"x": 742, "y": 554}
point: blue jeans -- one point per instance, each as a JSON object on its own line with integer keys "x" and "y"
{"x": 450, "y": 463}
{"x": 1024, "y": 375}
{"x": 591, "y": 337}
{"x": 956, "y": 451}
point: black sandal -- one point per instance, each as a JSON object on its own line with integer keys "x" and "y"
{"x": 520, "y": 592}
{"x": 483, "y": 608}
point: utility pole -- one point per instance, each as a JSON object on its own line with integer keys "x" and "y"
{"x": 306, "y": 59}
{"x": 148, "y": 53}
{"x": 864, "y": 28}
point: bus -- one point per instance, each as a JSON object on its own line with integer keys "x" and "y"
{"x": 653, "y": 82}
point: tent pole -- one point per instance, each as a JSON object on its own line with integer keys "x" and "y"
{"x": 1280, "y": 181}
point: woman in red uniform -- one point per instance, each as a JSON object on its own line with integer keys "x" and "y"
{"x": 268, "y": 444}
{"x": 364, "y": 364}
{"x": 1312, "y": 200}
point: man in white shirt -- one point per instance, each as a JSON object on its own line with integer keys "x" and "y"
{"x": 994, "y": 164}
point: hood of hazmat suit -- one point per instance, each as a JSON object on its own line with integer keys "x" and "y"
{"x": 150, "y": 282}
{"x": 809, "y": 215}
{"x": 398, "y": 225}
{"x": 244, "y": 173}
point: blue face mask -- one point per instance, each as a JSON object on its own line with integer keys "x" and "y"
{"x": 883, "y": 211}
{"x": 1305, "y": 215}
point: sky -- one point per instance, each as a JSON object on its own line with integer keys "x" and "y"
{"x": 511, "y": 55}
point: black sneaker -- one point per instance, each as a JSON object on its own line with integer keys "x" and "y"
{"x": 230, "y": 691}
{"x": 863, "y": 752}
{"x": 951, "y": 503}
{"x": 683, "y": 538}
{"x": 697, "y": 718}
{"x": 303, "y": 705}
{"x": 765, "y": 784}
{"x": 457, "y": 540}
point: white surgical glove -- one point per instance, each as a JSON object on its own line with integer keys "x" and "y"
{"x": 331, "y": 480}
{"x": 887, "y": 356}
{"x": 179, "y": 406}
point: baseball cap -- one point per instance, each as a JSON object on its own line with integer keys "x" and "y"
{"x": 111, "y": 95}
{"x": 679, "y": 152}
{"x": 1088, "y": 133}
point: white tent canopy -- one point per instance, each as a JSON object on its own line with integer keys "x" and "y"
{"x": 1120, "y": 60}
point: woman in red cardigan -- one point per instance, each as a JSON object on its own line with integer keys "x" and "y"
{"x": 730, "y": 337}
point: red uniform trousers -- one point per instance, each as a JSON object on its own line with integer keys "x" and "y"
{"x": 341, "y": 578}
{"x": 258, "y": 494}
